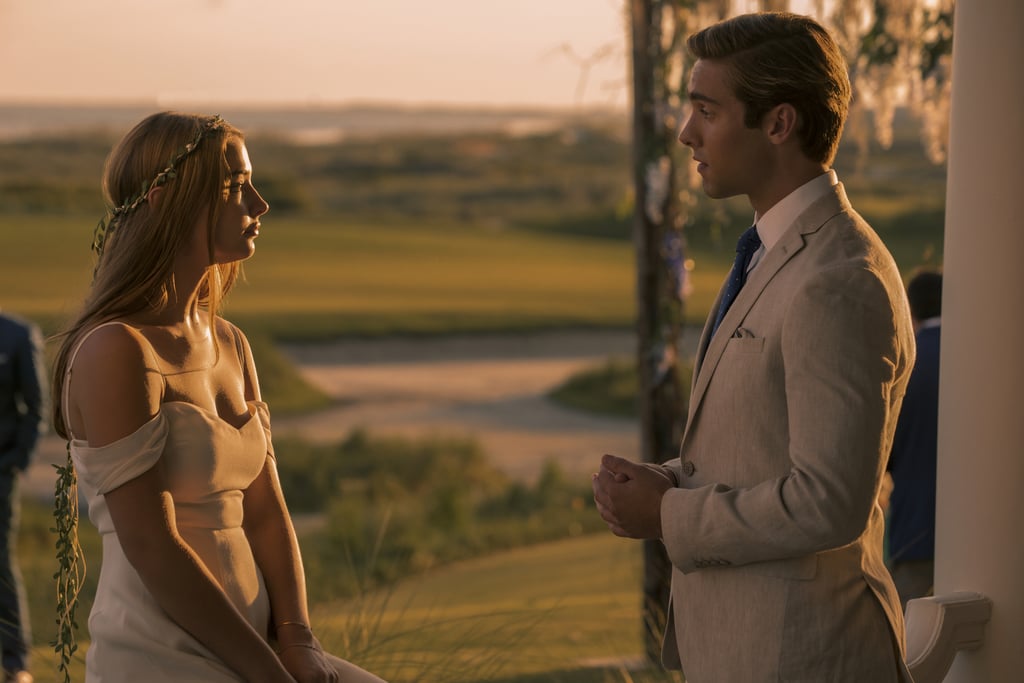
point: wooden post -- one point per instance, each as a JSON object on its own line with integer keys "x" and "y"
{"x": 659, "y": 252}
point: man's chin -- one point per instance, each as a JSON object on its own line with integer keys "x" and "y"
{"x": 715, "y": 192}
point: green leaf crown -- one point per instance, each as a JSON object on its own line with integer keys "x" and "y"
{"x": 109, "y": 221}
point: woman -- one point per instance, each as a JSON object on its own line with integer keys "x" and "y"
{"x": 201, "y": 578}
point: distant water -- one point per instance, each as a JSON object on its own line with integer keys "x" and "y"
{"x": 308, "y": 125}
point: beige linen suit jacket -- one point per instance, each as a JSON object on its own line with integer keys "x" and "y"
{"x": 774, "y": 530}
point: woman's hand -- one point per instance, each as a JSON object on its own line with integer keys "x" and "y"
{"x": 307, "y": 664}
{"x": 301, "y": 654}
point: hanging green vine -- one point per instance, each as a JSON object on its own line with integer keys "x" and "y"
{"x": 71, "y": 561}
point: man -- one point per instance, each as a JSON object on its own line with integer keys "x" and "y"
{"x": 769, "y": 515}
{"x": 913, "y": 460}
{"x": 21, "y": 410}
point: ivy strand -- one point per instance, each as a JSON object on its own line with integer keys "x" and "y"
{"x": 71, "y": 564}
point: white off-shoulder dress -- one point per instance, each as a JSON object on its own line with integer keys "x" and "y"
{"x": 206, "y": 464}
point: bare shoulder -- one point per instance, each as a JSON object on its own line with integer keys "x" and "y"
{"x": 112, "y": 348}
{"x": 115, "y": 385}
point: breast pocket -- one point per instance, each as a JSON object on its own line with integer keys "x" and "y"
{"x": 746, "y": 374}
{"x": 744, "y": 344}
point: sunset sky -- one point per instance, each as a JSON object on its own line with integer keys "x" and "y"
{"x": 466, "y": 52}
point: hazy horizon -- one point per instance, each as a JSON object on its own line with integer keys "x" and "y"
{"x": 308, "y": 53}
{"x": 318, "y": 124}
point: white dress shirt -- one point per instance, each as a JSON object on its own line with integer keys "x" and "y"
{"x": 777, "y": 219}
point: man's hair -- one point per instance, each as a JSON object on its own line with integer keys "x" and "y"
{"x": 924, "y": 292}
{"x": 779, "y": 57}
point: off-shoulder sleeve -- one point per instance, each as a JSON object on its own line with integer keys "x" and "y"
{"x": 263, "y": 411}
{"x": 105, "y": 468}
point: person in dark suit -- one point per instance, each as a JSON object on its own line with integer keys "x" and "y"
{"x": 770, "y": 514}
{"x": 912, "y": 462}
{"x": 21, "y": 423}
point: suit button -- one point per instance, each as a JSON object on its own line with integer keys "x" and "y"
{"x": 688, "y": 468}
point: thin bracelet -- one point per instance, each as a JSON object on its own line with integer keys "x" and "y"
{"x": 293, "y": 623}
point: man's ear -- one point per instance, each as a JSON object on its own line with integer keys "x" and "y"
{"x": 154, "y": 196}
{"x": 781, "y": 122}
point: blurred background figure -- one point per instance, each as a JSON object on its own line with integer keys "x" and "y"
{"x": 21, "y": 409}
{"x": 912, "y": 463}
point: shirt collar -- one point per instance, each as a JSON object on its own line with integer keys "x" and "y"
{"x": 777, "y": 219}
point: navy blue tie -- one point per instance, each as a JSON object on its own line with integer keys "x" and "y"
{"x": 748, "y": 243}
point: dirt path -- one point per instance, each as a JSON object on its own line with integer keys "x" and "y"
{"x": 490, "y": 388}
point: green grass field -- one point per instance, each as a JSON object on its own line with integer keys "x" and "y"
{"x": 544, "y": 608}
{"x": 323, "y": 277}
{"x": 314, "y": 278}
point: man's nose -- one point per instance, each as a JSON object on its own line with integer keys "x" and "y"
{"x": 685, "y": 135}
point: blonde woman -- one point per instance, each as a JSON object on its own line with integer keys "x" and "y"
{"x": 201, "y": 578}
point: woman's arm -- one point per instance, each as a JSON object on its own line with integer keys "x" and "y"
{"x": 268, "y": 526}
{"x": 114, "y": 392}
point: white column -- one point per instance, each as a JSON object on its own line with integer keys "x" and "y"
{"x": 980, "y": 517}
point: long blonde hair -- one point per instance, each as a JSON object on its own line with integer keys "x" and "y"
{"x": 134, "y": 270}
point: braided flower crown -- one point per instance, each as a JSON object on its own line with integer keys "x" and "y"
{"x": 110, "y": 220}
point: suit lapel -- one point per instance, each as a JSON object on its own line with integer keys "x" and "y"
{"x": 709, "y": 351}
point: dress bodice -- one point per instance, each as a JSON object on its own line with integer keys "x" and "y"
{"x": 206, "y": 463}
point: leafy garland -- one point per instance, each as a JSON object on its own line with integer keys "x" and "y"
{"x": 107, "y": 223}
{"x": 71, "y": 560}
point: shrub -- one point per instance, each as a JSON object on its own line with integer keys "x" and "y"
{"x": 392, "y": 507}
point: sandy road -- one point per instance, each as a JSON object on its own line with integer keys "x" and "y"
{"x": 490, "y": 388}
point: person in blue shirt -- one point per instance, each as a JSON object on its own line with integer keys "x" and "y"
{"x": 913, "y": 457}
